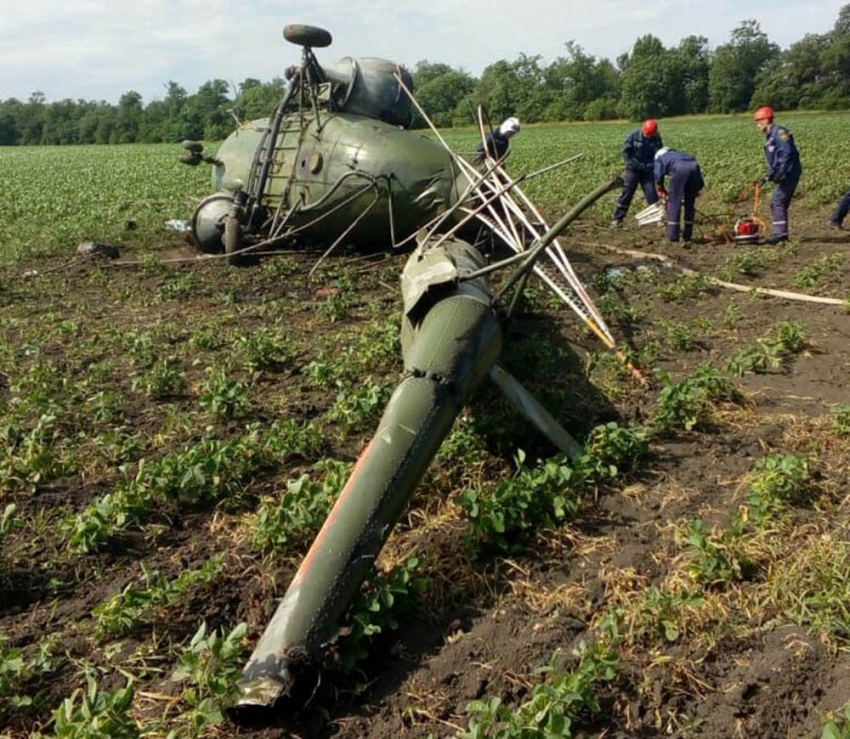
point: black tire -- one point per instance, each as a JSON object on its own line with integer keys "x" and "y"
{"x": 301, "y": 35}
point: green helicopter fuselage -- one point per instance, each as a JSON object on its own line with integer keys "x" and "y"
{"x": 335, "y": 173}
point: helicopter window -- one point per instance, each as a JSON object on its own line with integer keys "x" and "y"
{"x": 324, "y": 92}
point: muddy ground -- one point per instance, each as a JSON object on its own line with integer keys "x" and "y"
{"x": 489, "y": 621}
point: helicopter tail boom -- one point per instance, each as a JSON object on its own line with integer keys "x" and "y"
{"x": 451, "y": 338}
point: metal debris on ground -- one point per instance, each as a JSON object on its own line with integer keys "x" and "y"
{"x": 651, "y": 214}
{"x": 97, "y": 249}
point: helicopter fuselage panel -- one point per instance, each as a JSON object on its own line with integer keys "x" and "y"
{"x": 329, "y": 171}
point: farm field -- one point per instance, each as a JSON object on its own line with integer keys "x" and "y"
{"x": 173, "y": 433}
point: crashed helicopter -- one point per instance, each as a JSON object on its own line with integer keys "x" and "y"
{"x": 335, "y": 163}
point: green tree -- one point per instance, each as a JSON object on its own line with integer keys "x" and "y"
{"x": 797, "y": 78}
{"x": 60, "y": 123}
{"x": 175, "y": 100}
{"x": 690, "y": 67}
{"x": 259, "y": 100}
{"x": 210, "y": 106}
{"x": 154, "y": 125}
{"x": 9, "y": 114}
{"x": 578, "y": 81}
{"x": 440, "y": 96}
{"x": 105, "y": 133}
{"x": 513, "y": 88}
{"x": 128, "y": 119}
{"x": 649, "y": 76}
{"x": 835, "y": 61}
{"x": 425, "y": 72}
{"x": 736, "y": 67}
{"x": 31, "y": 119}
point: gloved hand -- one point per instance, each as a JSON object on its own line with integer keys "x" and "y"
{"x": 760, "y": 181}
{"x": 662, "y": 191}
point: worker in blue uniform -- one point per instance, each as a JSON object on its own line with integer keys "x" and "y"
{"x": 639, "y": 152}
{"x": 685, "y": 184}
{"x": 497, "y": 143}
{"x": 783, "y": 169}
{"x": 836, "y": 220}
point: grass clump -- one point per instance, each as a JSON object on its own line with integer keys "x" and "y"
{"x": 779, "y": 480}
{"x": 555, "y": 704}
{"x": 381, "y": 602}
{"x": 209, "y": 668}
{"x": 551, "y": 491}
{"x": 288, "y": 522}
{"x": 690, "y": 404}
{"x": 92, "y": 713}
{"x": 841, "y": 422}
{"x": 767, "y": 354}
{"x": 133, "y": 606}
{"x": 810, "y": 586}
{"x": 716, "y": 558}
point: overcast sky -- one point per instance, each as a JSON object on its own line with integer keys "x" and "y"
{"x": 99, "y": 49}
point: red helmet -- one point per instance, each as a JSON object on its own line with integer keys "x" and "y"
{"x": 650, "y": 127}
{"x": 764, "y": 114}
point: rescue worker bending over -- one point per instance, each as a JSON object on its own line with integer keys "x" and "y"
{"x": 497, "y": 142}
{"x": 685, "y": 184}
{"x": 783, "y": 169}
{"x": 638, "y": 151}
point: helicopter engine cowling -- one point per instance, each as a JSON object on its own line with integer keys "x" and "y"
{"x": 371, "y": 87}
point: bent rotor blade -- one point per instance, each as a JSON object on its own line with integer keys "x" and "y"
{"x": 556, "y": 271}
{"x": 521, "y": 399}
{"x": 519, "y": 226}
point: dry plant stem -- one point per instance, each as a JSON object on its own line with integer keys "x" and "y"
{"x": 802, "y": 297}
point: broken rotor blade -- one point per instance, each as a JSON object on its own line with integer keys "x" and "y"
{"x": 524, "y": 402}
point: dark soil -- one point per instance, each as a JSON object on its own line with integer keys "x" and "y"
{"x": 510, "y": 615}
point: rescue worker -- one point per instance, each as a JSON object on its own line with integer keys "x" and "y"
{"x": 639, "y": 152}
{"x": 685, "y": 184}
{"x": 836, "y": 220}
{"x": 498, "y": 141}
{"x": 783, "y": 169}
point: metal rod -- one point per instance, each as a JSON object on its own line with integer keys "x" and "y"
{"x": 344, "y": 234}
{"x": 534, "y": 253}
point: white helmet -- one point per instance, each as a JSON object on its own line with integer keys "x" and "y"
{"x": 663, "y": 150}
{"x": 509, "y": 127}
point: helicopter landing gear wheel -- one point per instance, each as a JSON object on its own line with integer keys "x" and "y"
{"x": 301, "y": 35}
{"x": 232, "y": 240}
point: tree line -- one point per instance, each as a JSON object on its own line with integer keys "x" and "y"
{"x": 651, "y": 80}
